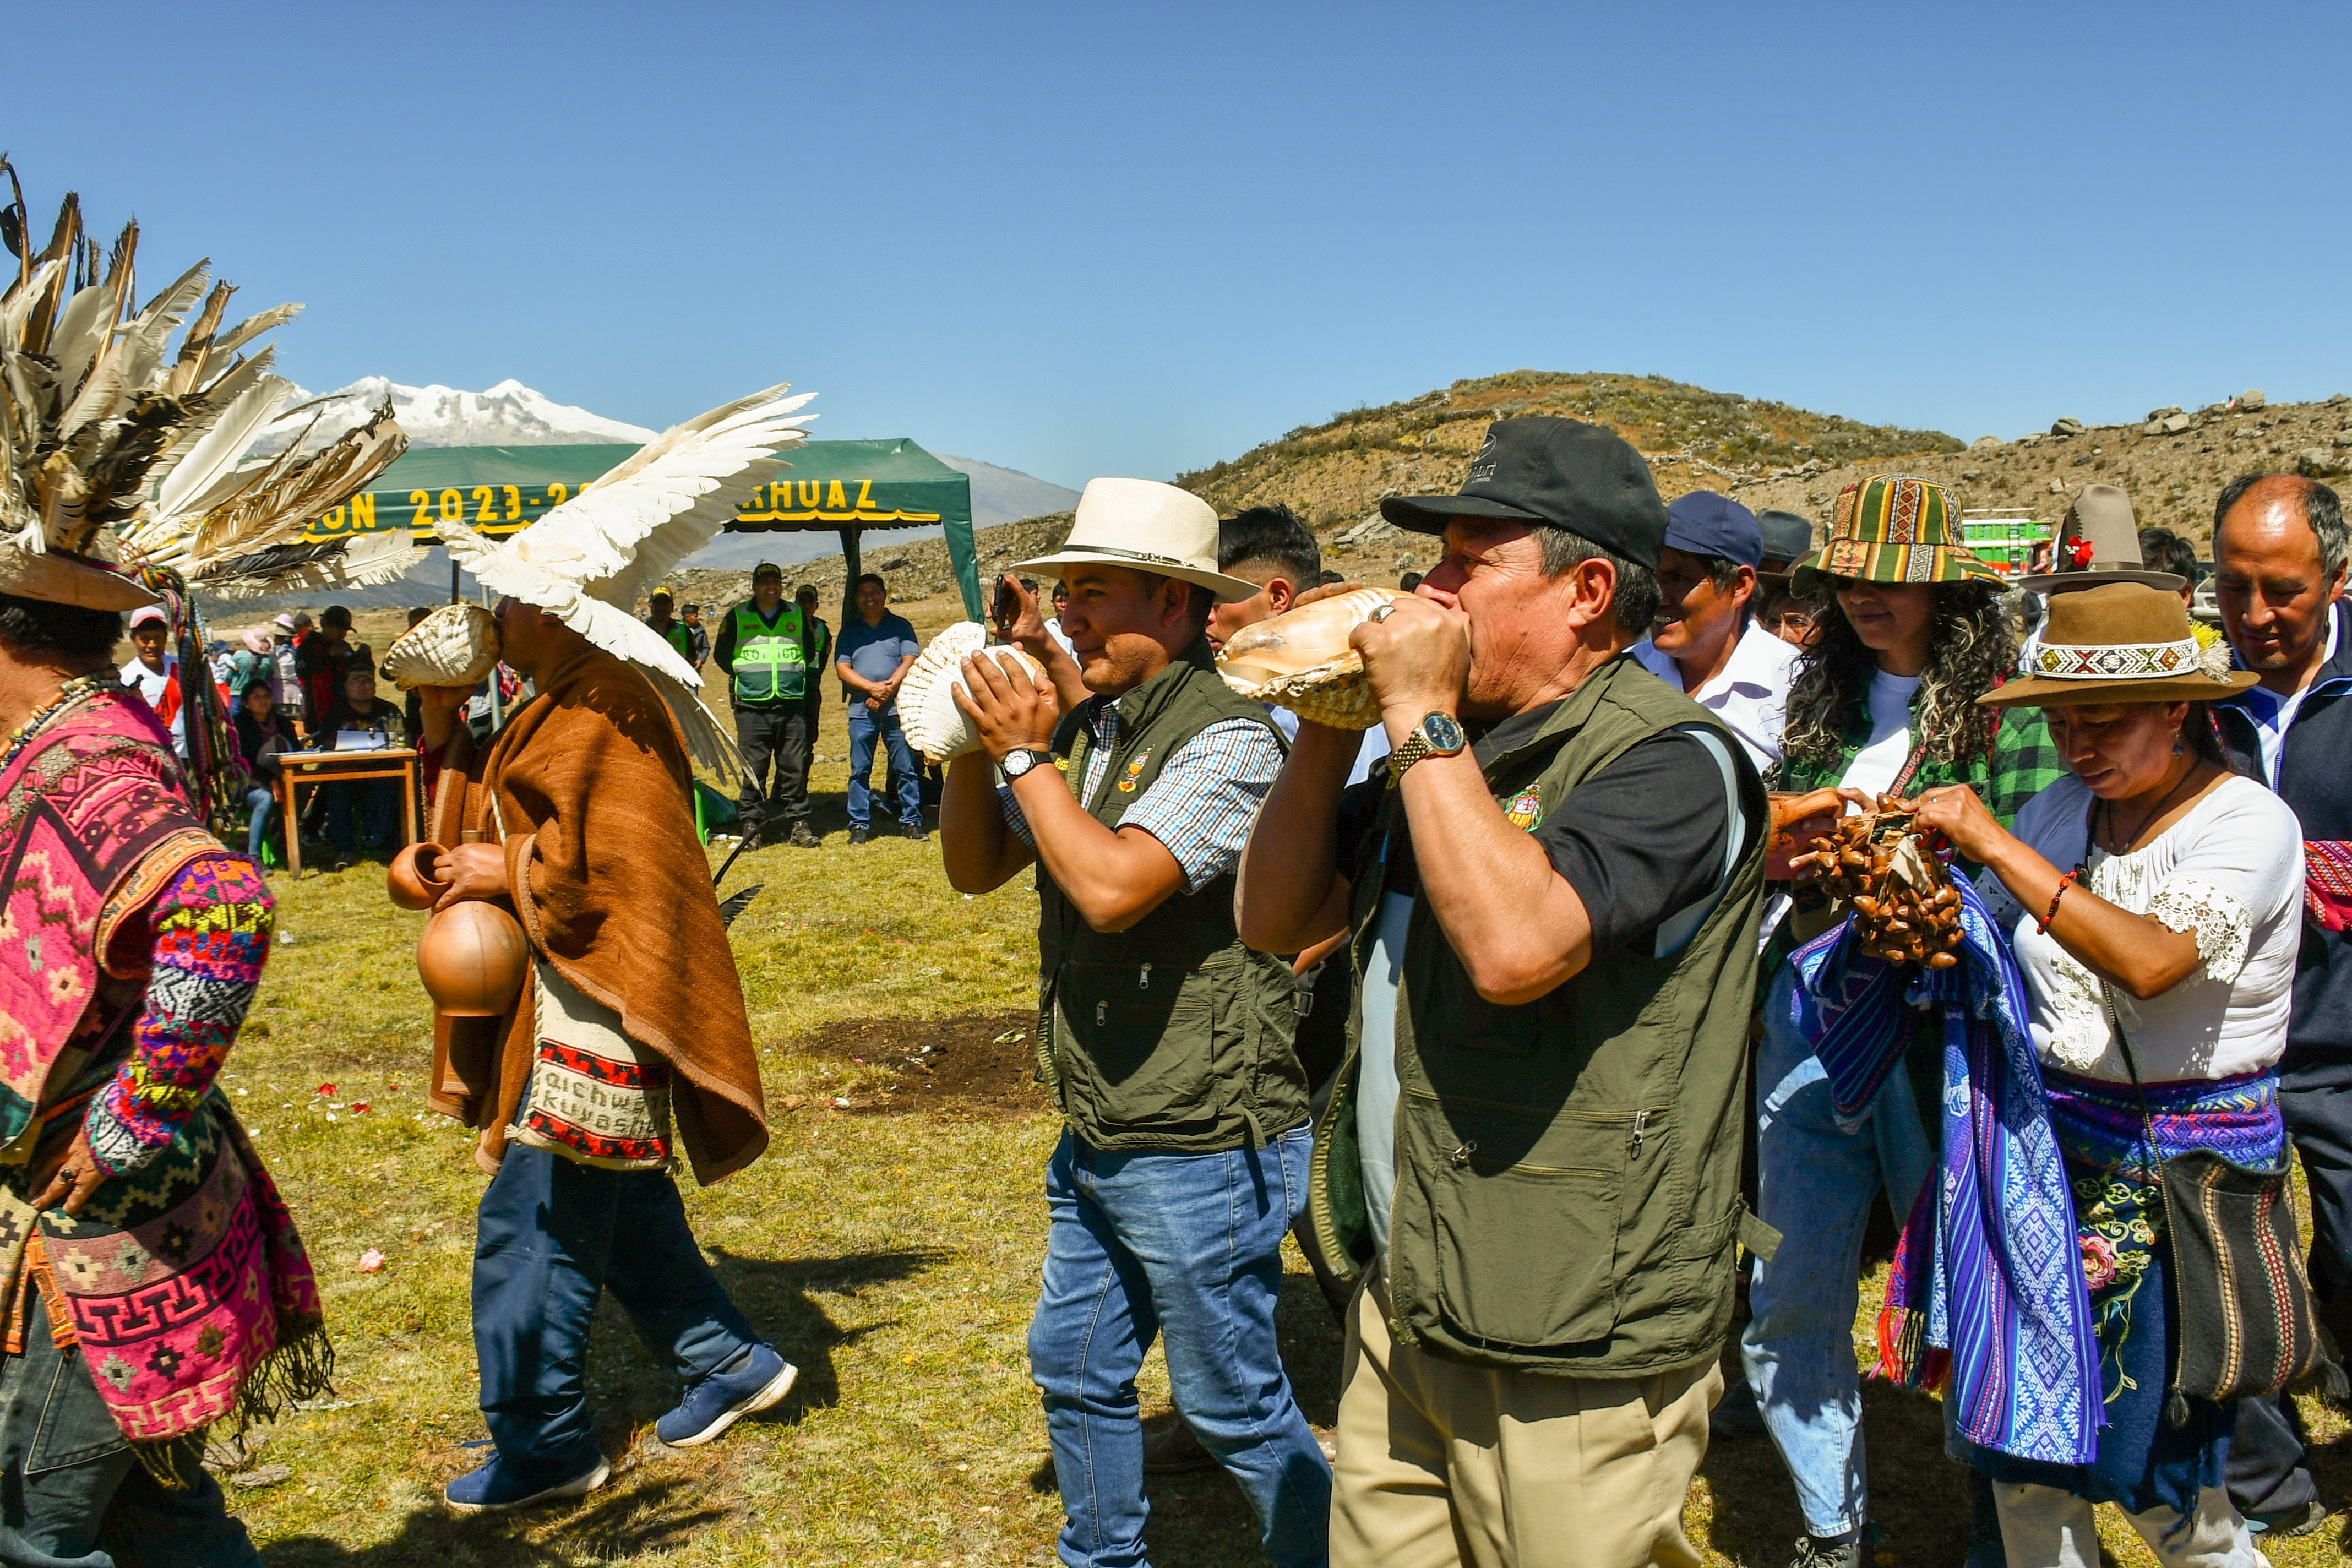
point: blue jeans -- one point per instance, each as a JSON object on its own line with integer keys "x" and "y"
{"x": 1187, "y": 1245}
{"x": 258, "y": 800}
{"x": 376, "y": 804}
{"x": 865, "y": 726}
{"x": 1814, "y": 1183}
{"x": 553, "y": 1235}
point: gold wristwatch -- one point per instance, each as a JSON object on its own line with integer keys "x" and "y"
{"x": 1437, "y": 735}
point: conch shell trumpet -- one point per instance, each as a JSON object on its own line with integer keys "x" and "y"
{"x": 457, "y": 644}
{"x": 934, "y": 725}
{"x": 1301, "y": 660}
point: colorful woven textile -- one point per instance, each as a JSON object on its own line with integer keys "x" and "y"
{"x": 2099, "y": 1121}
{"x": 186, "y": 1284}
{"x": 1893, "y": 528}
{"x": 2327, "y": 883}
{"x": 128, "y": 933}
{"x": 96, "y": 798}
{"x": 210, "y": 927}
{"x": 2145, "y": 1459}
{"x": 1987, "y": 1291}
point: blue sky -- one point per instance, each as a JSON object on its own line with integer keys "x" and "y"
{"x": 1135, "y": 239}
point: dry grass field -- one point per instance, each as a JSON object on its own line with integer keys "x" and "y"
{"x": 888, "y": 1243}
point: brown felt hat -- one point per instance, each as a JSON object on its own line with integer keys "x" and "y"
{"x": 2119, "y": 642}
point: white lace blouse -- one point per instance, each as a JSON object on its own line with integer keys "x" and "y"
{"x": 2230, "y": 873}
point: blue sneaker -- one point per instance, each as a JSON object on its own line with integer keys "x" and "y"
{"x": 506, "y": 1483}
{"x": 755, "y": 1379}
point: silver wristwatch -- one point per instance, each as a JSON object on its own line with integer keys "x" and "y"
{"x": 1018, "y": 763}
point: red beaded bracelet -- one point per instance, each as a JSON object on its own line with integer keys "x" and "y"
{"x": 2064, "y": 883}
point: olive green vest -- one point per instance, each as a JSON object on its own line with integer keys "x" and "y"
{"x": 1170, "y": 1036}
{"x": 1567, "y": 1170}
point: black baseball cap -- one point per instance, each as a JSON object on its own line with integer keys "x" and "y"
{"x": 1705, "y": 523}
{"x": 1787, "y": 538}
{"x": 1537, "y": 468}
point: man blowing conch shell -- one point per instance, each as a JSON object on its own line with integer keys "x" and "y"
{"x": 1530, "y": 1158}
{"x": 1166, "y": 1043}
{"x": 576, "y": 816}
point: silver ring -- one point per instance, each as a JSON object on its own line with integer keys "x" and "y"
{"x": 1383, "y": 613}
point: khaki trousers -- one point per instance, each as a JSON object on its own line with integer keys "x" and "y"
{"x": 1444, "y": 1464}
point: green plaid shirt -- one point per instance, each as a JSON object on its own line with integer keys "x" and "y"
{"x": 2023, "y": 764}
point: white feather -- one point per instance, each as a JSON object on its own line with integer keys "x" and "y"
{"x": 130, "y": 366}
{"x": 584, "y": 561}
{"x": 217, "y": 452}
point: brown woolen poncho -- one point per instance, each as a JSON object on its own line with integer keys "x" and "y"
{"x": 613, "y": 887}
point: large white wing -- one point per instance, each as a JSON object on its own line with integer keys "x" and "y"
{"x": 614, "y": 629}
{"x": 586, "y": 561}
{"x": 666, "y": 502}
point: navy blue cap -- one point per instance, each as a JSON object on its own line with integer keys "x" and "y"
{"x": 1705, "y": 523}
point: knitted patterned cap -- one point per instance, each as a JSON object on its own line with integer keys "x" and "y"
{"x": 1893, "y": 527}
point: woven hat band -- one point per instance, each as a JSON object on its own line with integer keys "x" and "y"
{"x": 2112, "y": 661}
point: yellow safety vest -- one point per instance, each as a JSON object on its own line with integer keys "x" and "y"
{"x": 769, "y": 664}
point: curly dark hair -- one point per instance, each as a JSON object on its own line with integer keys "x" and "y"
{"x": 1975, "y": 646}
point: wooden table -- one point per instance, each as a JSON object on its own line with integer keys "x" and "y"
{"x": 345, "y": 767}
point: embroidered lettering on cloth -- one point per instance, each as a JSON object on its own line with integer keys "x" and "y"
{"x": 2327, "y": 883}
{"x": 1987, "y": 1294}
{"x": 595, "y": 1096}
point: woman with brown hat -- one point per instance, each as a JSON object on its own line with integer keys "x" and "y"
{"x": 2152, "y": 899}
{"x": 1884, "y": 701}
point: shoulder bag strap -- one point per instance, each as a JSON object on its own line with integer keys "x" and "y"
{"x": 2131, "y": 1064}
{"x": 2108, "y": 1001}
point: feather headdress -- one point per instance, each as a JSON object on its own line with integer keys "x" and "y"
{"x": 586, "y": 561}
{"x": 114, "y": 445}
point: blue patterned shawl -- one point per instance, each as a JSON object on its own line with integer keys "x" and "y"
{"x": 1989, "y": 1273}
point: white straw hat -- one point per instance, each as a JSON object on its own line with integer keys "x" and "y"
{"x": 1145, "y": 526}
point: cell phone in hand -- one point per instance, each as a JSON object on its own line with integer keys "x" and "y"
{"x": 1007, "y": 608}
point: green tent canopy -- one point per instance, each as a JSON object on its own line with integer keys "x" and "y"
{"x": 842, "y": 485}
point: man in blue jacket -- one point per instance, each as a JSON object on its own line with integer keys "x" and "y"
{"x": 2279, "y": 550}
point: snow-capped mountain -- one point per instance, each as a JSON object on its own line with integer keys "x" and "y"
{"x": 507, "y": 414}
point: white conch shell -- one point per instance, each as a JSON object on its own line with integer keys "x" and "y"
{"x": 457, "y": 644}
{"x": 1301, "y": 660}
{"x": 934, "y": 725}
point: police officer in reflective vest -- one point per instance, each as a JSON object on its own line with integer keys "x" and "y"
{"x": 675, "y": 632}
{"x": 763, "y": 646}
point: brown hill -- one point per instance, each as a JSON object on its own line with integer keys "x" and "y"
{"x": 1767, "y": 454}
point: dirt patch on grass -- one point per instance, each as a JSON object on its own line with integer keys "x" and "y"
{"x": 985, "y": 1062}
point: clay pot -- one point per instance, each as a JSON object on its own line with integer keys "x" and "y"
{"x": 405, "y": 880}
{"x": 473, "y": 957}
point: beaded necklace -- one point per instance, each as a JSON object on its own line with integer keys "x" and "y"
{"x": 72, "y": 692}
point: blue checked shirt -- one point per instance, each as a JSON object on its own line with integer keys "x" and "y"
{"x": 1201, "y": 806}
